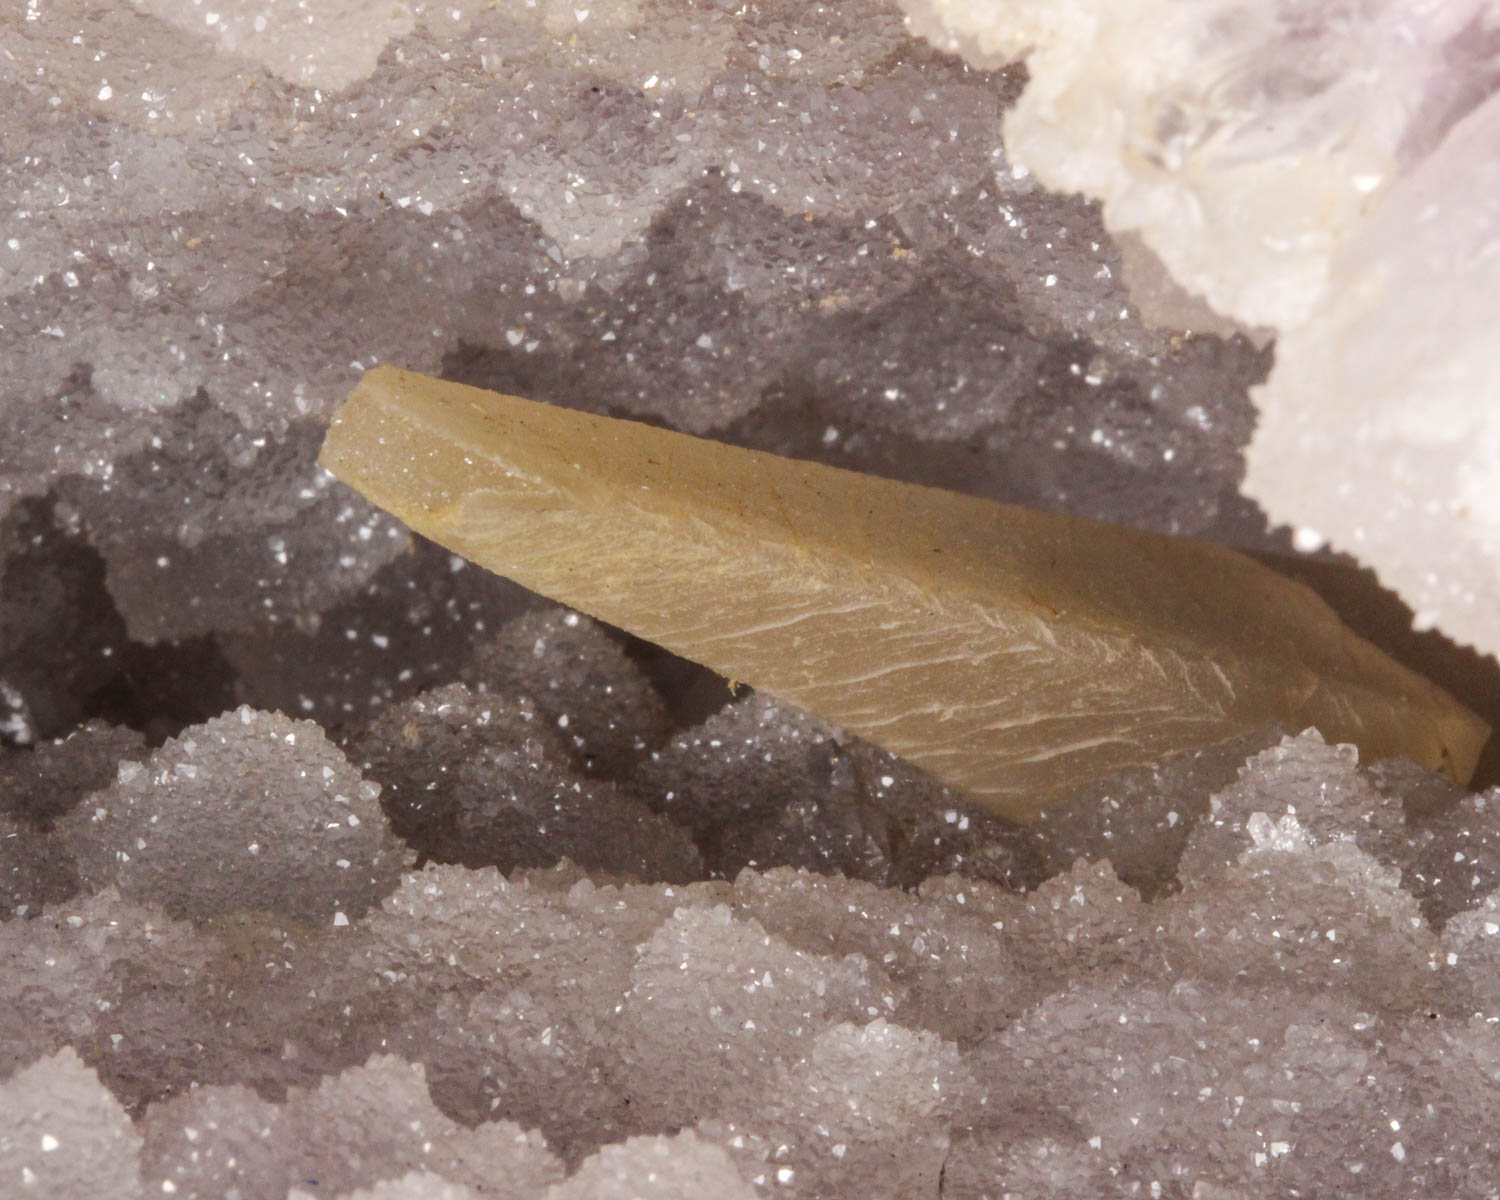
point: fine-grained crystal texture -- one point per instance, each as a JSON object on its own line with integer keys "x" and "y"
{"x": 334, "y": 866}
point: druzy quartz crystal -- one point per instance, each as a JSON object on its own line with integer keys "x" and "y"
{"x": 1016, "y": 654}
{"x": 333, "y": 864}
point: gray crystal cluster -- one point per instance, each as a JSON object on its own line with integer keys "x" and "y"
{"x": 331, "y": 865}
{"x": 1305, "y": 1004}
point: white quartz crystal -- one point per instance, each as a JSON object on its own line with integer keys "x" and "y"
{"x": 1396, "y": 378}
{"x": 1327, "y": 170}
{"x": 1243, "y": 141}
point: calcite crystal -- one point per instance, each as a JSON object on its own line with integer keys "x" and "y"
{"x": 1017, "y": 654}
{"x": 1401, "y": 362}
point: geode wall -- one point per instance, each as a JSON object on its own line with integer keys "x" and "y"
{"x": 270, "y": 948}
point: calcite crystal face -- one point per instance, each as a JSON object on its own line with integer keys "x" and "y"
{"x": 1018, "y": 655}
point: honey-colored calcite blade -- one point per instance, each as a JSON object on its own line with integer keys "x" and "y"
{"x": 1017, "y": 655}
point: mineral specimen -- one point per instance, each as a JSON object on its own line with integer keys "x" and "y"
{"x": 787, "y": 226}
{"x": 1017, "y": 654}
